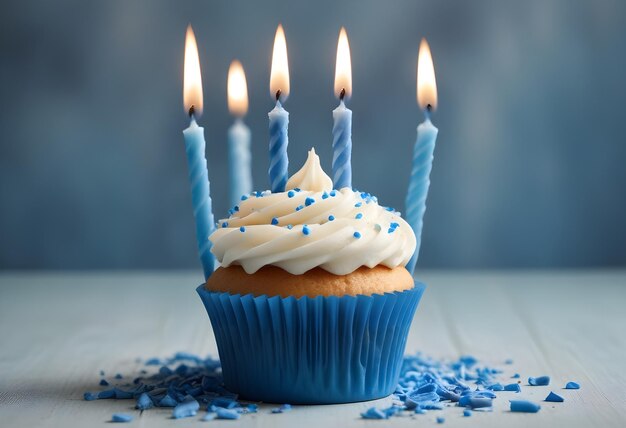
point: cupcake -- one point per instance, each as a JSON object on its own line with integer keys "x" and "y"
{"x": 312, "y": 302}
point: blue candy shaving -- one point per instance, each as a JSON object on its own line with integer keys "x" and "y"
{"x": 107, "y": 393}
{"x": 515, "y": 387}
{"x": 90, "y": 396}
{"x": 209, "y": 416}
{"x": 515, "y": 376}
{"x": 467, "y": 413}
{"x": 440, "y": 419}
{"x": 223, "y": 413}
{"x": 572, "y": 385}
{"x": 103, "y": 382}
{"x": 539, "y": 381}
{"x": 374, "y": 413}
{"x": 121, "y": 417}
{"x": 555, "y": 398}
{"x": 119, "y": 376}
{"x": 524, "y": 406}
{"x": 282, "y": 409}
{"x": 475, "y": 402}
{"x": 144, "y": 402}
{"x": 189, "y": 407}
{"x": 496, "y": 387}
{"x": 167, "y": 401}
{"x": 274, "y": 221}
{"x": 224, "y": 402}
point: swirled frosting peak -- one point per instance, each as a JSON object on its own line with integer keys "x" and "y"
{"x": 311, "y": 176}
{"x": 309, "y": 226}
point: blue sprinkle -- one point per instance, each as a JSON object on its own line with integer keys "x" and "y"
{"x": 108, "y": 393}
{"x": 236, "y": 208}
{"x": 373, "y": 413}
{"x": 189, "y": 407}
{"x": 308, "y": 201}
{"x": 299, "y": 207}
{"x": 244, "y": 197}
{"x": 331, "y": 217}
{"x": 101, "y": 372}
{"x": 252, "y": 408}
{"x": 515, "y": 376}
{"x": 103, "y": 382}
{"x": 242, "y": 229}
{"x": 389, "y": 209}
{"x": 395, "y": 225}
{"x": 297, "y": 189}
{"x": 363, "y": 195}
{"x": 290, "y": 193}
{"x": 290, "y": 226}
{"x": 227, "y": 413}
{"x": 274, "y": 221}
{"x": 524, "y": 406}
{"x": 121, "y": 417}
{"x": 496, "y": 387}
{"x": 539, "y": 381}
{"x": 153, "y": 362}
{"x": 90, "y": 396}
{"x": 508, "y": 361}
{"x": 226, "y": 403}
{"x": 467, "y": 413}
{"x": 390, "y": 230}
{"x": 440, "y": 419}
{"x": 209, "y": 416}
{"x": 420, "y": 411}
{"x": 555, "y": 398}
{"x": 357, "y": 235}
{"x": 258, "y": 194}
{"x": 359, "y": 216}
{"x": 225, "y": 224}
{"x": 358, "y": 204}
{"x": 119, "y": 376}
{"x": 282, "y": 409}
{"x": 168, "y": 401}
{"x": 144, "y": 402}
{"x": 515, "y": 387}
{"x": 572, "y": 385}
{"x": 230, "y": 212}
{"x": 333, "y": 193}
{"x": 324, "y": 195}
{"x": 306, "y": 230}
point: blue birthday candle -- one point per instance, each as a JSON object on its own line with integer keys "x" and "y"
{"x": 423, "y": 150}
{"x": 196, "y": 160}
{"x": 342, "y": 116}
{"x": 279, "y": 117}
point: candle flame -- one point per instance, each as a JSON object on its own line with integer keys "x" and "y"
{"x": 237, "y": 90}
{"x": 279, "y": 76}
{"x": 343, "y": 67}
{"x": 192, "y": 81}
{"x": 426, "y": 83}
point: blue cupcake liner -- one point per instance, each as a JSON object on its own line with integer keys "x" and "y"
{"x": 320, "y": 350}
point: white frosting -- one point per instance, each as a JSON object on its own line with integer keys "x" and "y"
{"x": 362, "y": 233}
{"x": 311, "y": 176}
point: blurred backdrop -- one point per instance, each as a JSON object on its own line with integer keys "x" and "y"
{"x": 529, "y": 167}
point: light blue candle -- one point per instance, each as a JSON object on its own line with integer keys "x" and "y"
{"x": 420, "y": 182}
{"x": 279, "y": 118}
{"x": 423, "y": 150}
{"x": 279, "y": 161}
{"x": 342, "y": 116}
{"x": 196, "y": 160}
{"x": 239, "y": 161}
{"x": 200, "y": 193}
{"x": 238, "y": 134}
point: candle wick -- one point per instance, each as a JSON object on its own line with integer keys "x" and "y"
{"x": 278, "y": 95}
{"x": 342, "y": 94}
{"x": 192, "y": 111}
{"x": 428, "y": 110}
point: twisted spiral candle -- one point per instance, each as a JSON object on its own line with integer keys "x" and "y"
{"x": 342, "y": 146}
{"x": 279, "y": 121}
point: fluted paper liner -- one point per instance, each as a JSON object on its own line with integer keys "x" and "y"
{"x": 307, "y": 350}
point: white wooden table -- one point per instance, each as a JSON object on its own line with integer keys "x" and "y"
{"x": 57, "y": 331}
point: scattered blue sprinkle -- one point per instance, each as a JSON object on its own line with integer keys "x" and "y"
{"x": 359, "y": 216}
{"x": 515, "y": 376}
{"x": 474, "y": 402}
{"x": 306, "y": 230}
{"x": 357, "y": 235}
{"x": 496, "y": 387}
{"x": 252, "y": 408}
{"x": 209, "y": 416}
{"x": 508, "y": 361}
{"x": 103, "y": 382}
{"x": 331, "y": 217}
{"x": 153, "y": 362}
{"x": 101, "y": 372}
{"x": 467, "y": 413}
{"x": 309, "y": 201}
{"x": 515, "y": 387}
{"x": 242, "y": 229}
{"x": 394, "y": 225}
{"x": 274, "y": 221}
{"x": 224, "y": 402}
{"x": 358, "y": 204}
{"x": 572, "y": 385}
{"x": 297, "y": 189}
{"x": 290, "y": 193}
{"x": 333, "y": 193}
{"x": 539, "y": 381}
{"x": 230, "y": 212}
{"x": 144, "y": 402}
{"x": 324, "y": 195}
{"x": 189, "y": 407}
{"x": 373, "y": 413}
{"x": 299, "y": 207}
{"x": 167, "y": 401}
{"x": 440, "y": 419}
{"x": 227, "y": 413}
{"x": 555, "y": 398}
{"x": 121, "y": 394}
{"x": 90, "y": 396}
{"x": 282, "y": 409}
{"x": 236, "y": 208}
{"x": 108, "y": 393}
{"x": 121, "y": 417}
{"x": 389, "y": 209}
{"x": 225, "y": 224}
{"x": 290, "y": 226}
{"x": 258, "y": 194}
{"x": 119, "y": 376}
{"x": 244, "y": 197}
{"x": 524, "y": 406}
{"x": 391, "y": 230}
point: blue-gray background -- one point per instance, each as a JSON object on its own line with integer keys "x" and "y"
{"x": 530, "y": 161}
